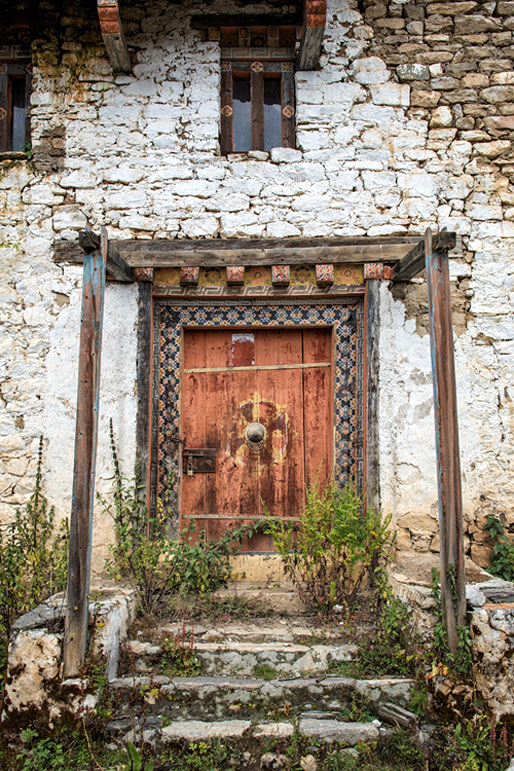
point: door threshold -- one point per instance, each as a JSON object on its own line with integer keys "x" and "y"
{"x": 257, "y": 567}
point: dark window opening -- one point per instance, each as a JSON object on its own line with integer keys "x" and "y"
{"x": 242, "y": 116}
{"x": 272, "y": 113}
{"x": 15, "y": 91}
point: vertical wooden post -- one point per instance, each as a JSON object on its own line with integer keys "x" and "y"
{"x": 372, "y": 313}
{"x": 227, "y": 108}
{"x": 453, "y": 588}
{"x": 79, "y": 565}
{"x": 257, "y": 101}
{"x": 144, "y": 383}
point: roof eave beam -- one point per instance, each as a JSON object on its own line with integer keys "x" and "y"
{"x": 113, "y": 35}
{"x": 414, "y": 261}
{"x": 314, "y": 21}
{"x": 118, "y": 269}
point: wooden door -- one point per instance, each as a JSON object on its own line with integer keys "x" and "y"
{"x": 279, "y": 380}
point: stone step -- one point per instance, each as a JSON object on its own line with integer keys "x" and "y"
{"x": 223, "y": 697}
{"x": 260, "y": 630}
{"x": 246, "y": 658}
{"x": 327, "y": 730}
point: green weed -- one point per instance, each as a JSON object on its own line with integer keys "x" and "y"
{"x": 177, "y": 657}
{"x": 160, "y": 567}
{"x": 502, "y": 555}
{"x": 462, "y": 661}
{"x": 265, "y": 672}
{"x": 334, "y": 547}
{"x": 33, "y": 559}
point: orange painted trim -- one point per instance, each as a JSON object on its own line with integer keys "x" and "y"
{"x": 316, "y": 13}
{"x": 109, "y": 17}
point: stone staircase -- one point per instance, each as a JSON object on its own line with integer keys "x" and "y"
{"x": 254, "y": 679}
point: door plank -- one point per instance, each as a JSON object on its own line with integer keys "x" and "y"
{"x": 281, "y": 477}
{"x": 317, "y": 405}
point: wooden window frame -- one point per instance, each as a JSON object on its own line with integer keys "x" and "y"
{"x": 257, "y": 72}
{"x": 10, "y": 70}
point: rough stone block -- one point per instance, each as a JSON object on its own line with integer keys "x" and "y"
{"x": 438, "y": 23}
{"x": 335, "y": 731}
{"x": 492, "y": 149}
{"x": 282, "y": 229}
{"x": 475, "y": 23}
{"x": 69, "y": 217}
{"x": 285, "y": 155}
{"x": 441, "y": 118}
{"x": 195, "y": 730}
{"x": 419, "y": 183}
{"x": 392, "y": 94}
{"x": 415, "y": 27}
{"x": 502, "y": 78}
{"x": 421, "y": 98}
{"x": 370, "y": 70}
{"x": 452, "y": 9}
{"x": 413, "y": 72}
{"x": 475, "y": 80}
{"x": 499, "y": 122}
{"x": 389, "y": 23}
{"x": 343, "y": 93}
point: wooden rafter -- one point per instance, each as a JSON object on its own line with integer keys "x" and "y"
{"x": 113, "y": 35}
{"x": 117, "y": 268}
{"x": 414, "y": 261}
{"x": 314, "y": 20}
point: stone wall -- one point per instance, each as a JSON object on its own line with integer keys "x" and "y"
{"x": 406, "y": 124}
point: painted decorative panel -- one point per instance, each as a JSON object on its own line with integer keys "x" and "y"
{"x": 235, "y": 274}
{"x": 260, "y": 276}
{"x": 280, "y": 275}
{"x": 189, "y": 276}
{"x": 324, "y": 274}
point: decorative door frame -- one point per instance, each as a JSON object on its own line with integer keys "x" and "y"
{"x": 344, "y": 314}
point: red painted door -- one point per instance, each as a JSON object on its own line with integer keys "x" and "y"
{"x": 262, "y": 398}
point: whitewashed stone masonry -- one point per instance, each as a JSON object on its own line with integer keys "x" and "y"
{"x": 406, "y": 124}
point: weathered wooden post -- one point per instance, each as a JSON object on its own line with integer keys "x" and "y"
{"x": 453, "y": 582}
{"x": 88, "y": 392}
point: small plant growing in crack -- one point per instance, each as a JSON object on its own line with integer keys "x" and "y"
{"x": 177, "y": 658}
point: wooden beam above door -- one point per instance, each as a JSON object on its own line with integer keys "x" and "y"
{"x": 217, "y": 252}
